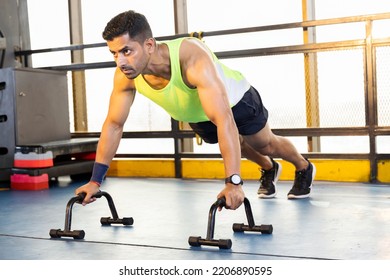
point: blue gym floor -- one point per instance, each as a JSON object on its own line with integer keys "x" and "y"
{"x": 346, "y": 221}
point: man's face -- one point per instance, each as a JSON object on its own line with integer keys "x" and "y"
{"x": 130, "y": 57}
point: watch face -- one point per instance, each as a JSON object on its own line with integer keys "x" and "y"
{"x": 236, "y": 179}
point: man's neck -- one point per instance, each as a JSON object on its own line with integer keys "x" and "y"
{"x": 159, "y": 64}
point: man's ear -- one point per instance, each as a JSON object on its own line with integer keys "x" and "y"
{"x": 150, "y": 44}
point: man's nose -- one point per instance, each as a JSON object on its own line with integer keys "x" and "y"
{"x": 121, "y": 60}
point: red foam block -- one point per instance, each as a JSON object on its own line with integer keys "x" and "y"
{"x": 25, "y": 182}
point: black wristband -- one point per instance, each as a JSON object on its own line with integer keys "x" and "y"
{"x": 99, "y": 172}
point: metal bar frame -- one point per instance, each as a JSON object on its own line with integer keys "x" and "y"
{"x": 368, "y": 45}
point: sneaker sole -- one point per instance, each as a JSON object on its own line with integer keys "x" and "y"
{"x": 264, "y": 196}
{"x": 292, "y": 196}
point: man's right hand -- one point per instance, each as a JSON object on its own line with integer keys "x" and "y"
{"x": 234, "y": 196}
{"x": 90, "y": 189}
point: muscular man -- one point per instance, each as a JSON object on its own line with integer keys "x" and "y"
{"x": 186, "y": 79}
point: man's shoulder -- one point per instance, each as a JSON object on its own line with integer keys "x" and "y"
{"x": 122, "y": 83}
{"x": 183, "y": 41}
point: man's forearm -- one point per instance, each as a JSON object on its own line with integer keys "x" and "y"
{"x": 108, "y": 143}
{"x": 229, "y": 146}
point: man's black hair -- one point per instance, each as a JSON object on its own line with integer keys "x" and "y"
{"x": 135, "y": 24}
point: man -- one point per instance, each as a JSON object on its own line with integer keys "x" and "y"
{"x": 188, "y": 81}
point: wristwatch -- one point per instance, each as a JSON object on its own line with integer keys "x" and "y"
{"x": 234, "y": 179}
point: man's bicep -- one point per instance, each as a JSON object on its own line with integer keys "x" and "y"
{"x": 121, "y": 98}
{"x": 120, "y": 103}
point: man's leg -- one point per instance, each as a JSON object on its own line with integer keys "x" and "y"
{"x": 267, "y": 143}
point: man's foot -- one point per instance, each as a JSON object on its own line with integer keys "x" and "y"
{"x": 268, "y": 180}
{"x": 303, "y": 182}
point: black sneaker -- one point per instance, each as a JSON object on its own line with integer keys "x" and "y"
{"x": 303, "y": 182}
{"x": 268, "y": 180}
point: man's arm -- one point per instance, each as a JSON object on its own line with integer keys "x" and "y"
{"x": 200, "y": 71}
{"x": 121, "y": 99}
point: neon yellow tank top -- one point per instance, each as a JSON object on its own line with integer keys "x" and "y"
{"x": 182, "y": 102}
